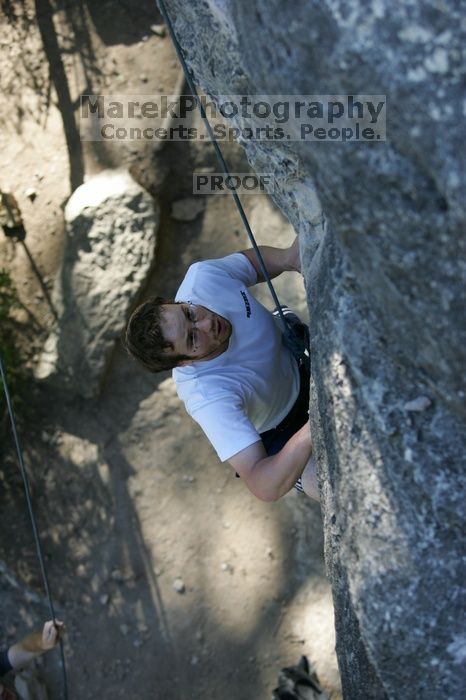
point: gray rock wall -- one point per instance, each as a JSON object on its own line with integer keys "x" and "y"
{"x": 382, "y": 235}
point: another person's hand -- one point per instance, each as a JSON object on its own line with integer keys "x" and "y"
{"x": 35, "y": 644}
{"x": 51, "y": 634}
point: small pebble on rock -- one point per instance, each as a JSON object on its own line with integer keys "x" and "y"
{"x": 408, "y": 454}
{"x": 31, "y": 193}
{"x": 158, "y": 29}
{"x": 48, "y": 439}
{"x": 117, "y": 576}
{"x": 178, "y": 585}
{"x": 419, "y": 404}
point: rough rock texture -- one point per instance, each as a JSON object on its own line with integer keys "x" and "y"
{"x": 382, "y": 233}
{"x": 111, "y": 226}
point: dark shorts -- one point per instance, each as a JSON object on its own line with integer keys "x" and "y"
{"x": 276, "y": 438}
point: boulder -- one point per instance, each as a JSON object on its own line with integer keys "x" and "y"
{"x": 111, "y": 227}
{"x": 382, "y": 227}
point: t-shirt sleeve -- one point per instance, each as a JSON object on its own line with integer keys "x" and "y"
{"x": 226, "y": 426}
{"x": 5, "y": 666}
{"x": 237, "y": 266}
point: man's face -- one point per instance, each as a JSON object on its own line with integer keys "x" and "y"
{"x": 195, "y": 331}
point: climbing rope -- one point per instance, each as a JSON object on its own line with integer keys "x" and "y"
{"x": 32, "y": 517}
{"x": 296, "y": 339}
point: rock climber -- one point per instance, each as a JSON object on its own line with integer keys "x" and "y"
{"x": 237, "y": 378}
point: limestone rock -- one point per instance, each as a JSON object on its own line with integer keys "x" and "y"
{"x": 111, "y": 227}
{"x": 382, "y": 233}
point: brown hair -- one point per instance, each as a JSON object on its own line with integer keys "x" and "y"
{"x": 144, "y": 338}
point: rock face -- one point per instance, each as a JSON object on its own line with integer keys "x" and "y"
{"x": 111, "y": 226}
{"x": 382, "y": 233}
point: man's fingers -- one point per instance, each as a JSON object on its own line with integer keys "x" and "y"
{"x": 52, "y": 632}
{"x": 48, "y": 629}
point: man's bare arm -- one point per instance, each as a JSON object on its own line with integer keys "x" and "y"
{"x": 276, "y": 260}
{"x": 269, "y": 478}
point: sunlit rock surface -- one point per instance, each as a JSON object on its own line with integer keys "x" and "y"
{"x": 111, "y": 227}
{"x": 382, "y": 233}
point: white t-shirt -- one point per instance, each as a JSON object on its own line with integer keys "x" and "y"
{"x": 250, "y": 387}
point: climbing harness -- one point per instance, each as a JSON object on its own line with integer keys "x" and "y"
{"x": 296, "y": 338}
{"x": 32, "y": 517}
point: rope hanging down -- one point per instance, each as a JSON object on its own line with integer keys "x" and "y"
{"x": 296, "y": 337}
{"x": 32, "y": 517}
